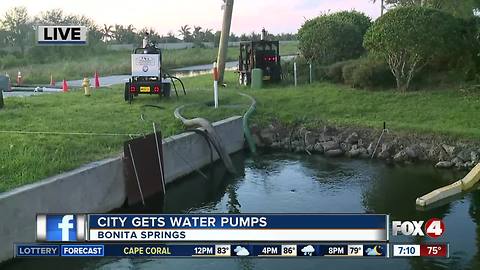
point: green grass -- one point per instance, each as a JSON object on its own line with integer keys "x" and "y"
{"x": 118, "y": 62}
{"x": 27, "y": 158}
{"x": 437, "y": 112}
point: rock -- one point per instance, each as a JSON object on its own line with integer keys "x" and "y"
{"x": 345, "y": 147}
{"x": 363, "y": 152}
{"x": 465, "y": 166}
{"x": 299, "y": 149}
{"x": 267, "y": 136}
{"x": 444, "y": 164}
{"x": 361, "y": 142}
{"x": 401, "y": 156}
{"x": 310, "y": 148}
{"x": 415, "y": 152}
{"x": 354, "y": 152}
{"x": 330, "y": 145}
{"x": 302, "y": 132}
{"x": 329, "y": 131}
{"x": 450, "y": 150}
{"x": 474, "y": 157}
{"x": 276, "y": 145}
{"x": 437, "y": 153}
{"x": 318, "y": 148}
{"x": 387, "y": 151}
{"x": 352, "y": 138}
{"x": 296, "y": 144}
{"x": 370, "y": 148}
{"x": 334, "y": 153}
{"x": 310, "y": 138}
{"x": 465, "y": 155}
{"x": 458, "y": 162}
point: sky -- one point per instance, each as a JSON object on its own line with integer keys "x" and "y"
{"x": 277, "y": 16}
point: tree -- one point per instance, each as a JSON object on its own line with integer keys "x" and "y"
{"x": 209, "y": 36}
{"x": 463, "y": 8}
{"x": 408, "y": 38}
{"x": 185, "y": 32}
{"x": 107, "y": 33}
{"x": 355, "y": 18}
{"x": 328, "y": 39}
{"x": 18, "y": 27}
{"x": 197, "y": 34}
{"x": 124, "y": 35}
{"x": 51, "y": 17}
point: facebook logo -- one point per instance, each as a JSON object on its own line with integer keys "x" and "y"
{"x": 60, "y": 228}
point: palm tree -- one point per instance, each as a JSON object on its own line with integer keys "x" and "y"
{"x": 208, "y": 35}
{"x": 197, "y": 34}
{"x": 107, "y": 32}
{"x": 185, "y": 33}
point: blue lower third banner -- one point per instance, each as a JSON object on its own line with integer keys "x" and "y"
{"x": 238, "y": 228}
{"x": 378, "y": 250}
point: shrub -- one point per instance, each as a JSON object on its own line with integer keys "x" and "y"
{"x": 334, "y": 72}
{"x": 355, "y": 18}
{"x": 10, "y": 60}
{"x": 411, "y": 37}
{"x": 328, "y": 39}
{"x": 367, "y": 73}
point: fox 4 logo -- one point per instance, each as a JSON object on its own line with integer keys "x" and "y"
{"x": 434, "y": 228}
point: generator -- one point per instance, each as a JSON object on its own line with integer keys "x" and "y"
{"x": 146, "y": 73}
{"x": 262, "y": 54}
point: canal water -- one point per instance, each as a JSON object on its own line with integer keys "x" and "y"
{"x": 290, "y": 183}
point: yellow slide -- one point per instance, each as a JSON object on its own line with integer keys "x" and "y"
{"x": 465, "y": 184}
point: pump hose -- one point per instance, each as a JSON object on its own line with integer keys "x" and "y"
{"x": 246, "y": 129}
{"x": 215, "y": 139}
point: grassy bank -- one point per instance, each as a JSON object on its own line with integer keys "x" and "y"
{"x": 118, "y": 62}
{"x": 27, "y": 158}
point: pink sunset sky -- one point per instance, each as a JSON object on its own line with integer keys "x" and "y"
{"x": 168, "y": 15}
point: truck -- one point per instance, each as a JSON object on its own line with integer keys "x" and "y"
{"x": 263, "y": 54}
{"x": 147, "y": 77}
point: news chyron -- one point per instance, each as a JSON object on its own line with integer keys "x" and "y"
{"x": 233, "y": 235}
{"x": 62, "y": 35}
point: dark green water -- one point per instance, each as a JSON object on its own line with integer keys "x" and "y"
{"x": 286, "y": 183}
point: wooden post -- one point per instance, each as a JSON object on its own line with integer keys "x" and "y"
{"x": 223, "y": 46}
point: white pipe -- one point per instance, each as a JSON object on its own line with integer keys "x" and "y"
{"x": 295, "y": 73}
{"x": 215, "y": 92}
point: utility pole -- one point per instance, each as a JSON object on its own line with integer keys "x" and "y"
{"x": 223, "y": 46}
{"x": 382, "y": 7}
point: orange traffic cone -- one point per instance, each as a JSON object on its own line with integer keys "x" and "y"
{"x": 65, "y": 86}
{"x": 97, "y": 80}
{"x": 52, "y": 81}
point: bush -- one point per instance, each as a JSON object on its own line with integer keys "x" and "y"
{"x": 10, "y": 60}
{"x": 334, "y": 72}
{"x": 411, "y": 37}
{"x": 367, "y": 73}
{"x": 330, "y": 38}
{"x": 355, "y": 18}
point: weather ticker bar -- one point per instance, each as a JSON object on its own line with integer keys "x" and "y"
{"x": 375, "y": 250}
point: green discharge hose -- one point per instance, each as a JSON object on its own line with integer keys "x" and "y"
{"x": 246, "y": 129}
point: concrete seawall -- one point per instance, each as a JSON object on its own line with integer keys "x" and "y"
{"x": 100, "y": 186}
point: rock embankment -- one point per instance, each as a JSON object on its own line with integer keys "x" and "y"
{"x": 335, "y": 141}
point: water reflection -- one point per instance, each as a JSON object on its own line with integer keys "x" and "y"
{"x": 288, "y": 183}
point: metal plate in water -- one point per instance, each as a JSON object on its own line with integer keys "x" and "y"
{"x": 143, "y": 171}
